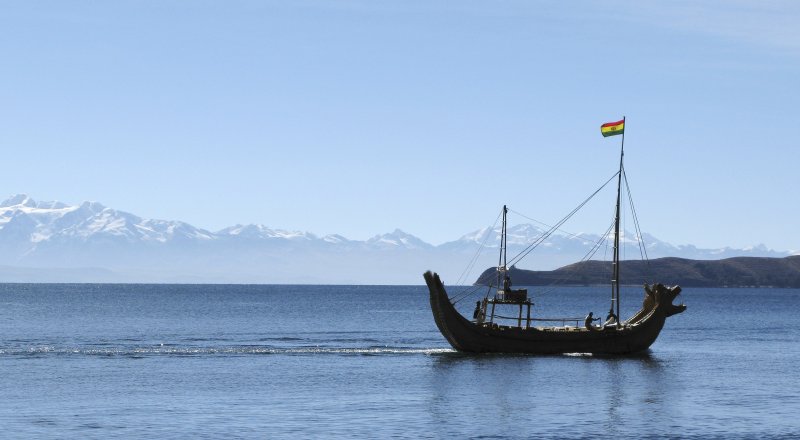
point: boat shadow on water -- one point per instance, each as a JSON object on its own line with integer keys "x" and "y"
{"x": 645, "y": 358}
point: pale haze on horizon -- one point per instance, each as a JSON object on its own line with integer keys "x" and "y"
{"x": 359, "y": 117}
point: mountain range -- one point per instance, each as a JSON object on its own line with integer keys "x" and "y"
{"x": 89, "y": 242}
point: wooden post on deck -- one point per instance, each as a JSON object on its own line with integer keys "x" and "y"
{"x": 528, "y": 325}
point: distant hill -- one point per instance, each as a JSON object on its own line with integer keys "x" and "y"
{"x": 730, "y": 272}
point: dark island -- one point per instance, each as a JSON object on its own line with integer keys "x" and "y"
{"x": 730, "y": 272}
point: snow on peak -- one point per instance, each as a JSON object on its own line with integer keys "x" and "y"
{"x": 87, "y": 221}
{"x": 335, "y": 239}
{"x": 253, "y": 231}
{"x": 524, "y": 234}
{"x": 22, "y": 203}
{"x": 399, "y": 233}
{"x": 476, "y": 236}
{"x": 398, "y": 239}
{"x": 92, "y": 206}
{"x": 18, "y": 200}
{"x": 521, "y": 234}
{"x": 52, "y": 205}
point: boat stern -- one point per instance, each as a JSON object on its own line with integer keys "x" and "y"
{"x": 441, "y": 307}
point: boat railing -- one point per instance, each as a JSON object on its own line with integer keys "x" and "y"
{"x": 563, "y": 321}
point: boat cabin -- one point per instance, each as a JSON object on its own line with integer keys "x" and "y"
{"x": 512, "y": 297}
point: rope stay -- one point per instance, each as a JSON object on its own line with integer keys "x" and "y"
{"x": 639, "y": 235}
{"x": 545, "y": 224}
{"x": 603, "y": 239}
{"x": 550, "y": 231}
{"x": 473, "y": 289}
{"x": 474, "y": 259}
{"x": 455, "y": 299}
{"x": 539, "y": 240}
{"x": 524, "y": 253}
{"x": 479, "y": 284}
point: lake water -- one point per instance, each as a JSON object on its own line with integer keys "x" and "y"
{"x": 211, "y": 361}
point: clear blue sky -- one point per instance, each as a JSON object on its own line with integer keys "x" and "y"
{"x": 358, "y": 117}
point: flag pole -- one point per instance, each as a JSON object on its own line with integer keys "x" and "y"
{"x": 619, "y": 187}
{"x": 615, "y": 285}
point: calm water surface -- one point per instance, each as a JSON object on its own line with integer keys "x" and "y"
{"x": 178, "y": 361}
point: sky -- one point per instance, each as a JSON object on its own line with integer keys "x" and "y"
{"x": 357, "y": 117}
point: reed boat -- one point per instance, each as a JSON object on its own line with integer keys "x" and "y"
{"x": 487, "y": 333}
{"x": 633, "y": 335}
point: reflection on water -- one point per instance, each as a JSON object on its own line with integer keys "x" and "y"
{"x": 559, "y": 395}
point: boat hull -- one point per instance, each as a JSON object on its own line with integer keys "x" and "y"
{"x": 636, "y": 335}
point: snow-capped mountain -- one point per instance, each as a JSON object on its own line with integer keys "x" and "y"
{"x": 104, "y": 244}
{"x": 22, "y": 218}
{"x": 397, "y": 240}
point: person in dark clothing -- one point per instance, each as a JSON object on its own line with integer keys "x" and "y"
{"x": 477, "y": 311}
{"x": 506, "y": 284}
{"x": 589, "y": 319}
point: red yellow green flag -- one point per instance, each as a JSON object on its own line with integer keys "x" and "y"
{"x": 612, "y": 128}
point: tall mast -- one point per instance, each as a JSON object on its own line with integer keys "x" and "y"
{"x": 501, "y": 264}
{"x": 505, "y": 237}
{"x": 503, "y": 242}
{"x": 615, "y": 280}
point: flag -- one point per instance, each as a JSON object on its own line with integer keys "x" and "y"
{"x": 612, "y": 128}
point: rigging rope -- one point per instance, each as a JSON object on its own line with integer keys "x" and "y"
{"x": 541, "y": 239}
{"x": 474, "y": 259}
{"x": 455, "y": 299}
{"x": 551, "y": 287}
{"x": 472, "y": 290}
{"x": 595, "y": 247}
{"x": 544, "y": 224}
{"x": 604, "y": 238}
{"x": 642, "y": 246}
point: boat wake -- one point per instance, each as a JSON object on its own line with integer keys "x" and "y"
{"x": 200, "y": 351}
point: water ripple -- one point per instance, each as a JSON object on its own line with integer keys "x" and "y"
{"x": 238, "y": 350}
